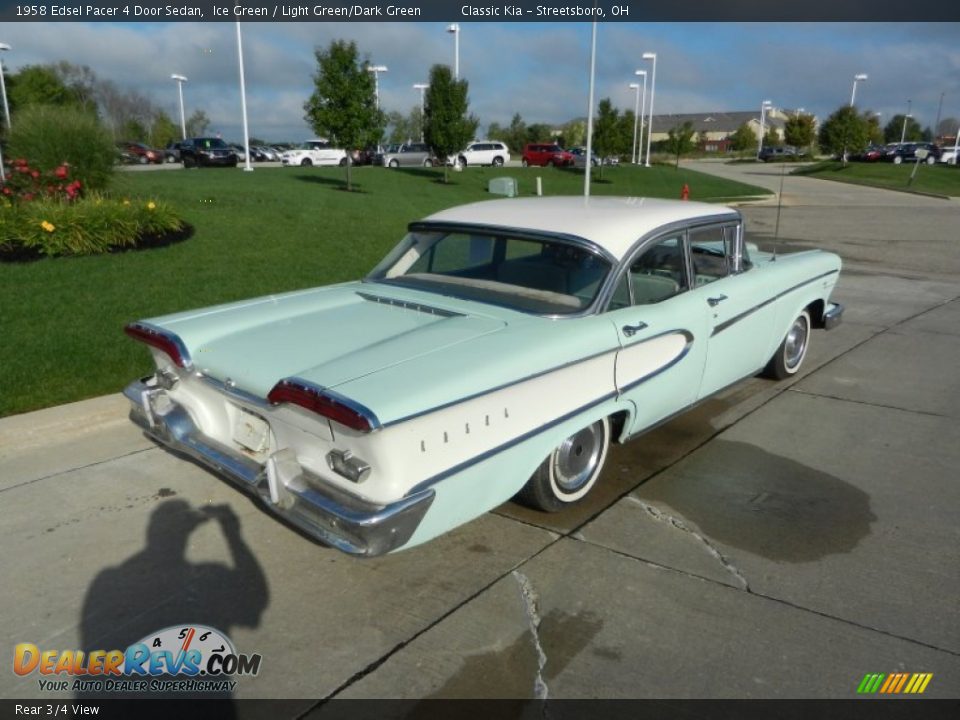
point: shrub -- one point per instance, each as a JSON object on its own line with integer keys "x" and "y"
{"x": 92, "y": 225}
{"x": 52, "y": 136}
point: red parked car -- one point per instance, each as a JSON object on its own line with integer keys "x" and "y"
{"x": 546, "y": 154}
{"x": 134, "y": 152}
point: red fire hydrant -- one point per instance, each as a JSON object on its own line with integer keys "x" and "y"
{"x": 685, "y": 192}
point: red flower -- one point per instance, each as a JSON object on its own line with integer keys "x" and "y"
{"x": 61, "y": 172}
{"x": 35, "y": 174}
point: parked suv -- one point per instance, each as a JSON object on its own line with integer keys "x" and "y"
{"x": 484, "y": 152}
{"x": 409, "y": 154}
{"x": 545, "y": 154}
{"x": 200, "y": 151}
{"x": 898, "y": 153}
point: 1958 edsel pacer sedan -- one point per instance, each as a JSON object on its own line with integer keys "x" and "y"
{"x": 495, "y": 352}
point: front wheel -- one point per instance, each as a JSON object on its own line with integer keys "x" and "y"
{"x": 343, "y": 162}
{"x": 306, "y": 162}
{"x": 497, "y": 162}
{"x": 897, "y": 160}
{"x": 789, "y": 356}
{"x": 394, "y": 163}
{"x": 570, "y": 471}
{"x": 428, "y": 163}
{"x": 525, "y": 163}
{"x": 931, "y": 159}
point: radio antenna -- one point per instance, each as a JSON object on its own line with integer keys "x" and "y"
{"x": 776, "y": 229}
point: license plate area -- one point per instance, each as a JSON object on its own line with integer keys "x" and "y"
{"x": 250, "y": 431}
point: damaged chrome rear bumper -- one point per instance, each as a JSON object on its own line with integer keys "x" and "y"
{"x": 286, "y": 488}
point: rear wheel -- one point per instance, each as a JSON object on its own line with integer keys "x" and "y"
{"x": 897, "y": 160}
{"x": 931, "y": 159}
{"x": 570, "y": 471}
{"x": 789, "y": 356}
{"x": 306, "y": 162}
{"x": 497, "y": 162}
{"x": 462, "y": 160}
{"x": 343, "y": 162}
{"x": 525, "y": 163}
{"x": 394, "y": 163}
{"x": 428, "y": 163}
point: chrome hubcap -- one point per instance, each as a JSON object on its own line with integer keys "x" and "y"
{"x": 796, "y": 344}
{"x": 576, "y": 459}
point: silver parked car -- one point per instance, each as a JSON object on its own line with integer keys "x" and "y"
{"x": 409, "y": 155}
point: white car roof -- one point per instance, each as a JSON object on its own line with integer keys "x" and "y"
{"x": 613, "y": 223}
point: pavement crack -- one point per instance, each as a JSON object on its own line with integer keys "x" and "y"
{"x": 530, "y": 601}
{"x": 660, "y": 516}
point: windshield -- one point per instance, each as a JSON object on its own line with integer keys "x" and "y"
{"x": 548, "y": 277}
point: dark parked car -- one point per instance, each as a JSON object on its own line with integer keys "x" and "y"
{"x": 206, "y": 151}
{"x": 138, "y": 153}
{"x": 900, "y": 152}
{"x": 545, "y": 154}
{"x": 171, "y": 153}
{"x": 778, "y": 152}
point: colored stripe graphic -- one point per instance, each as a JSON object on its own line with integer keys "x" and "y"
{"x": 894, "y": 683}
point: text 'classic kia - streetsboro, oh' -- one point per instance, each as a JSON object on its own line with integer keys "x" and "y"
{"x": 496, "y": 352}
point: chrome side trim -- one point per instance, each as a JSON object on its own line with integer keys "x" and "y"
{"x": 683, "y": 353}
{"x": 288, "y": 490}
{"x": 746, "y": 313}
{"x": 429, "y": 482}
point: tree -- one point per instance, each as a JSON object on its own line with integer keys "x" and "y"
{"x": 38, "y": 85}
{"x": 743, "y": 139}
{"x": 447, "y": 127}
{"x": 538, "y": 133}
{"x": 844, "y": 131}
{"x": 874, "y": 131}
{"x": 771, "y": 138}
{"x": 343, "y": 106}
{"x": 197, "y": 123}
{"x": 404, "y": 128}
{"x": 799, "y": 130}
{"x": 575, "y": 133}
{"x": 625, "y": 134}
{"x": 164, "y": 130}
{"x": 606, "y": 131}
{"x": 680, "y": 140}
{"x": 947, "y": 127}
{"x": 893, "y": 130}
{"x": 516, "y": 134}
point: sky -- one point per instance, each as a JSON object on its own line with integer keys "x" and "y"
{"x": 540, "y": 70}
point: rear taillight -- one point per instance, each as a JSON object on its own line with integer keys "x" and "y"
{"x": 323, "y": 402}
{"x": 162, "y": 340}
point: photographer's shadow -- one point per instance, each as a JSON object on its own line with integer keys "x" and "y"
{"x": 158, "y": 588}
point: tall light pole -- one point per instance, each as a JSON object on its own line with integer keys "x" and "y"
{"x": 593, "y": 65}
{"x": 243, "y": 105}
{"x": 3, "y": 86}
{"x": 376, "y": 70}
{"x": 653, "y": 89}
{"x": 6, "y": 108}
{"x": 636, "y": 122}
{"x": 903, "y": 134}
{"x": 180, "y": 80}
{"x": 936, "y": 124}
{"x": 856, "y": 78}
{"x": 455, "y": 29}
{"x": 422, "y": 87}
{"x": 638, "y": 116}
{"x": 764, "y": 106}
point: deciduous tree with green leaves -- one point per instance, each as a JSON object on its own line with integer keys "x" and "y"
{"x": 447, "y": 126}
{"x": 343, "y": 106}
{"x": 893, "y": 130}
{"x": 606, "y": 132}
{"x": 680, "y": 140}
{"x": 799, "y": 130}
{"x": 845, "y": 131}
{"x": 743, "y": 139}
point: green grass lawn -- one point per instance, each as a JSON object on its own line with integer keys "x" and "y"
{"x": 269, "y": 231}
{"x": 939, "y": 179}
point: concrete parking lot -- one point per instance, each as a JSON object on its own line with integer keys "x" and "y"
{"x": 779, "y": 541}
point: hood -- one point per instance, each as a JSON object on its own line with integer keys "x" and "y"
{"x": 328, "y": 336}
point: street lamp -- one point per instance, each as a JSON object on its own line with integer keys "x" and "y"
{"x": 903, "y": 134}
{"x": 455, "y": 29}
{"x": 243, "y": 105}
{"x": 856, "y": 79}
{"x": 638, "y": 114}
{"x": 376, "y": 70}
{"x": 636, "y": 120}
{"x": 3, "y": 86}
{"x": 653, "y": 89}
{"x": 764, "y": 106}
{"x": 180, "y": 80}
{"x": 593, "y": 67}
{"x": 6, "y": 108}
{"x": 422, "y": 87}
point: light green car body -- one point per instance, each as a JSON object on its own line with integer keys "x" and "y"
{"x": 462, "y": 401}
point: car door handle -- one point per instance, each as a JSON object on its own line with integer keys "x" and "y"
{"x": 631, "y": 330}
{"x": 713, "y": 302}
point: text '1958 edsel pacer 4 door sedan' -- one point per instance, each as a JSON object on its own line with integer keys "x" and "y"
{"x": 495, "y": 352}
